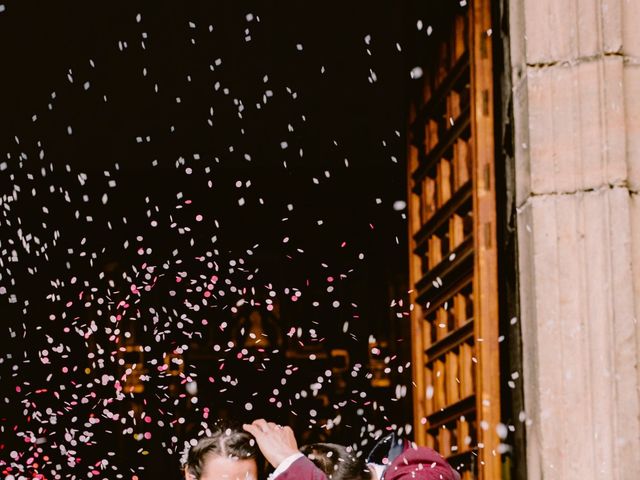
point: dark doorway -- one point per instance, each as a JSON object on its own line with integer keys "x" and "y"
{"x": 168, "y": 165}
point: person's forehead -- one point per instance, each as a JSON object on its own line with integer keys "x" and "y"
{"x": 225, "y": 468}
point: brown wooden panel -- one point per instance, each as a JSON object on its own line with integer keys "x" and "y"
{"x": 467, "y": 475}
{"x": 486, "y": 258}
{"x": 435, "y": 251}
{"x": 428, "y": 198}
{"x": 461, "y": 163}
{"x": 428, "y": 402}
{"x": 460, "y": 309}
{"x": 444, "y": 441}
{"x": 459, "y": 37}
{"x": 441, "y": 323}
{"x": 451, "y": 377}
{"x": 453, "y": 107}
{"x": 444, "y": 61}
{"x": 430, "y": 441}
{"x": 466, "y": 370}
{"x": 456, "y": 231}
{"x": 439, "y": 393}
{"x": 463, "y": 435}
{"x": 431, "y": 134}
{"x": 443, "y": 188}
{"x": 417, "y": 314}
{"x": 453, "y": 246}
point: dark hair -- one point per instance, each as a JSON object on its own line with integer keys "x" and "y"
{"x": 225, "y": 441}
{"x": 337, "y": 462}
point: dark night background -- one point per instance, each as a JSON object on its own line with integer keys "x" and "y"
{"x": 96, "y": 163}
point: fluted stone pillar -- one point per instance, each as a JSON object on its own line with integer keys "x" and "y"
{"x": 576, "y": 81}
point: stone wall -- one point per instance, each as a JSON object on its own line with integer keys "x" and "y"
{"x": 576, "y": 93}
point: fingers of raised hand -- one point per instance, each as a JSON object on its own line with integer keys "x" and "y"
{"x": 262, "y": 424}
{"x": 249, "y": 428}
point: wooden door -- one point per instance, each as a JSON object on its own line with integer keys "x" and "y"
{"x": 453, "y": 256}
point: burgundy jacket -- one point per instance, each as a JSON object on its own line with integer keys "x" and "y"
{"x": 420, "y": 463}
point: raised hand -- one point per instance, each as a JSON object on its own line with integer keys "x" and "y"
{"x": 275, "y": 442}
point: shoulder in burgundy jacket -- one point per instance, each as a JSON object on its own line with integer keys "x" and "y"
{"x": 419, "y": 463}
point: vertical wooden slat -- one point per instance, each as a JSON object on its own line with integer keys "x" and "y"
{"x": 428, "y": 401}
{"x": 418, "y": 325}
{"x": 461, "y": 163}
{"x": 451, "y": 378}
{"x": 429, "y": 197}
{"x": 444, "y": 441}
{"x": 439, "y": 393}
{"x": 435, "y": 251}
{"x": 456, "y": 231}
{"x": 430, "y": 441}
{"x": 460, "y": 309}
{"x": 426, "y": 87}
{"x": 463, "y": 434}
{"x": 465, "y": 373}
{"x": 486, "y": 259}
{"x": 444, "y": 182}
{"x": 453, "y": 107}
{"x": 426, "y": 334}
{"x": 459, "y": 43}
{"x": 441, "y": 323}
{"x": 443, "y": 61}
{"x": 431, "y": 134}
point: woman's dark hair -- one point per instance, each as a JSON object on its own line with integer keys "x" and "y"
{"x": 227, "y": 440}
{"x": 336, "y": 461}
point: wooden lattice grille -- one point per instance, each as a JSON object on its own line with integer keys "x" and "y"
{"x": 453, "y": 247}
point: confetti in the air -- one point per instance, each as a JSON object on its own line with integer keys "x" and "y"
{"x": 196, "y": 224}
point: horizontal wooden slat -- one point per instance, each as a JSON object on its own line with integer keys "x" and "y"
{"x": 447, "y": 271}
{"x": 459, "y": 198}
{"x": 451, "y": 413}
{"x": 452, "y": 340}
{"x": 466, "y": 458}
{"x": 428, "y": 161}
{"x": 461, "y": 67}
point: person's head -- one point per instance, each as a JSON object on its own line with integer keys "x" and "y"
{"x": 337, "y": 462}
{"x": 228, "y": 454}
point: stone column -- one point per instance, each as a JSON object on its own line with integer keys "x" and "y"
{"x": 576, "y": 81}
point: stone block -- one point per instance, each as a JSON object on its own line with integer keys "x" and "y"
{"x": 632, "y": 120}
{"x": 542, "y": 352}
{"x": 635, "y": 259}
{"x": 630, "y": 30}
{"x": 573, "y": 136}
{"x": 580, "y": 350}
{"x": 551, "y": 32}
{"x": 635, "y": 250}
{"x": 517, "y": 40}
{"x": 611, "y": 19}
{"x": 562, "y": 31}
{"x": 521, "y": 141}
{"x": 553, "y": 130}
{"x": 531, "y": 371}
{"x": 611, "y": 95}
{"x": 625, "y": 346}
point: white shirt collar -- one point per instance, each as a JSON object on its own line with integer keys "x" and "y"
{"x": 379, "y": 469}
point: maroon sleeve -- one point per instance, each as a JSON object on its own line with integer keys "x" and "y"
{"x": 302, "y": 469}
{"x": 420, "y": 463}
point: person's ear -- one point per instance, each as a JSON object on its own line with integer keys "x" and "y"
{"x": 187, "y": 475}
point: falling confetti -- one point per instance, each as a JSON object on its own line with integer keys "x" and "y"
{"x": 154, "y": 277}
